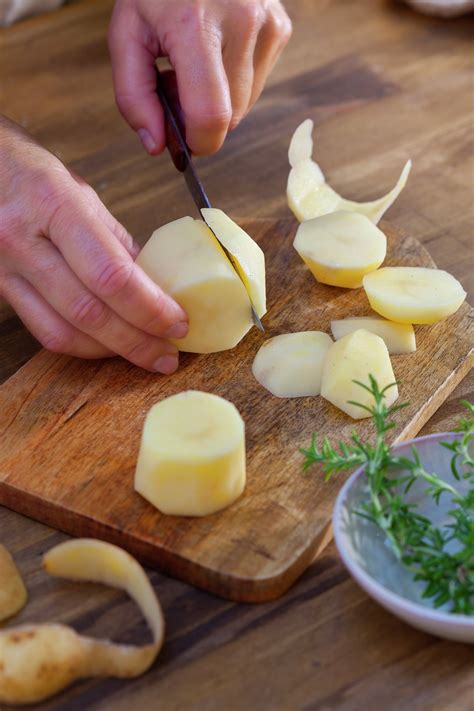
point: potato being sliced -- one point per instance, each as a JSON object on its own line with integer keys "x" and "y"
{"x": 37, "y": 661}
{"x": 186, "y": 260}
{"x": 398, "y": 337}
{"x": 310, "y": 196}
{"x": 290, "y": 365}
{"x": 413, "y": 294}
{"x": 249, "y": 258}
{"x": 301, "y": 144}
{"x": 13, "y": 593}
{"x": 355, "y": 357}
{"x": 192, "y": 455}
{"x": 340, "y": 248}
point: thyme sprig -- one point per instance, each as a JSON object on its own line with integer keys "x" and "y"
{"x": 441, "y": 557}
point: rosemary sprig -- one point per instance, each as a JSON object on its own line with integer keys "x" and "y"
{"x": 442, "y": 558}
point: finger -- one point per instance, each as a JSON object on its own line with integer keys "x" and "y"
{"x": 108, "y": 271}
{"x": 238, "y": 63}
{"x": 203, "y": 90}
{"x": 46, "y": 325}
{"x": 133, "y": 54}
{"x": 271, "y": 41}
{"x": 45, "y": 268}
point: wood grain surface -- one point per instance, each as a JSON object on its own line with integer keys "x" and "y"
{"x": 382, "y": 84}
{"x": 70, "y": 432}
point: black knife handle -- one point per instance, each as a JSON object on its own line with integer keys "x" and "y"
{"x": 167, "y": 91}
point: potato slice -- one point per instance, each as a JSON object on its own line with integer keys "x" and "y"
{"x": 192, "y": 455}
{"x": 413, "y": 294}
{"x": 309, "y": 195}
{"x": 37, "y": 661}
{"x": 248, "y": 257}
{"x": 301, "y": 144}
{"x": 398, "y": 337}
{"x": 186, "y": 260}
{"x": 290, "y": 365}
{"x": 340, "y": 248}
{"x": 355, "y": 357}
{"x": 13, "y": 595}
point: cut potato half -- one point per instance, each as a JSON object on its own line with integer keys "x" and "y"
{"x": 37, "y": 661}
{"x": 310, "y": 196}
{"x": 340, "y": 248}
{"x": 355, "y": 357}
{"x": 413, "y": 294}
{"x": 185, "y": 260}
{"x": 249, "y": 259}
{"x": 192, "y": 455}
{"x": 398, "y": 337}
{"x": 13, "y": 593}
{"x": 290, "y": 365}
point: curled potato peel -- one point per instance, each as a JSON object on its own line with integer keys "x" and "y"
{"x": 310, "y": 196}
{"x": 37, "y": 661}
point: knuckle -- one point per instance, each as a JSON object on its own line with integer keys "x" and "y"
{"x": 88, "y": 312}
{"x": 252, "y": 16}
{"x": 283, "y": 27}
{"x": 125, "y": 102}
{"x": 114, "y": 278}
{"x": 56, "y": 341}
{"x": 214, "y": 120}
{"x": 139, "y": 352}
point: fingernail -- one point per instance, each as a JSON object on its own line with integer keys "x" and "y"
{"x": 147, "y": 139}
{"x": 178, "y": 330}
{"x": 166, "y": 364}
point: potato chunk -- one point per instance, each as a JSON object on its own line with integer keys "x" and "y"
{"x": 340, "y": 248}
{"x": 310, "y": 196}
{"x": 192, "y": 455}
{"x": 398, "y": 337}
{"x": 290, "y": 365}
{"x": 413, "y": 294}
{"x": 186, "y": 260}
{"x": 248, "y": 257}
{"x": 355, "y": 357}
{"x": 13, "y": 593}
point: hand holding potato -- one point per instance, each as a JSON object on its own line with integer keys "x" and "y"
{"x": 67, "y": 266}
{"x": 222, "y": 53}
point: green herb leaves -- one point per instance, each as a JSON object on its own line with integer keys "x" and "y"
{"x": 443, "y": 558}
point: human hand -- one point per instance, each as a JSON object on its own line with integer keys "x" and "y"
{"x": 222, "y": 53}
{"x": 67, "y": 266}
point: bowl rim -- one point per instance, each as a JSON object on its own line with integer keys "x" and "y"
{"x": 402, "y": 603}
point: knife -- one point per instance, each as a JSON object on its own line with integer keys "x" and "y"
{"x": 182, "y": 159}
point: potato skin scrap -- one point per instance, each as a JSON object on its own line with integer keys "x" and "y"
{"x": 13, "y": 595}
{"x": 38, "y": 661}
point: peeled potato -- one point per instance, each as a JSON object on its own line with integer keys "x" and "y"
{"x": 398, "y": 337}
{"x": 309, "y": 195}
{"x": 186, "y": 260}
{"x": 355, "y": 357}
{"x": 340, "y": 248}
{"x": 13, "y": 593}
{"x": 290, "y": 365}
{"x": 413, "y": 294}
{"x": 37, "y": 661}
{"x": 301, "y": 145}
{"x": 247, "y": 255}
{"x": 192, "y": 455}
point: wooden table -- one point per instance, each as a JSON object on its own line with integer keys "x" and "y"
{"x": 382, "y": 84}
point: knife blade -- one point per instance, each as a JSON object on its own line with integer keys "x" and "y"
{"x": 182, "y": 159}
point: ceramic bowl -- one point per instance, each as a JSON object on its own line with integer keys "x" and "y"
{"x": 370, "y": 560}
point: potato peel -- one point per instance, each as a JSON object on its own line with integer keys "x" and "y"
{"x": 37, "y": 661}
{"x": 13, "y": 595}
{"x": 310, "y": 196}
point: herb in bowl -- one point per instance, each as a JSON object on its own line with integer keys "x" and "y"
{"x": 441, "y": 557}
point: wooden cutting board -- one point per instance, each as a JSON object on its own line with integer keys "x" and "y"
{"x": 70, "y": 433}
